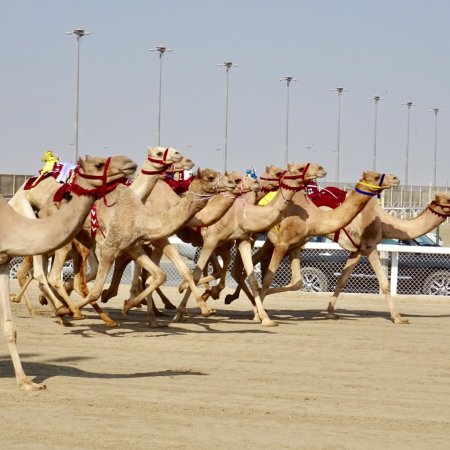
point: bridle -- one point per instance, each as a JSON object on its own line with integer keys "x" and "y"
{"x": 163, "y": 161}
{"x": 99, "y": 192}
{"x": 294, "y": 177}
{"x": 378, "y": 188}
{"x": 444, "y": 207}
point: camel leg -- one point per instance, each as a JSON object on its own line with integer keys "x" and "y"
{"x": 24, "y": 278}
{"x": 296, "y": 282}
{"x": 82, "y": 255}
{"x": 225, "y": 254}
{"x": 57, "y": 284}
{"x": 205, "y": 254}
{"x": 156, "y": 255}
{"x": 245, "y": 250}
{"x": 350, "y": 265}
{"x": 10, "y": 333}
{"x": 157, "y": 278}
{"x": 119, "y": 266}
{"x": 280, "y": 249}
{"x": 374, "y": 259}
{"x": 106, "y": 261}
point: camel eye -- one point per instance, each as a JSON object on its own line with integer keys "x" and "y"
{"x": 211, "y": 178}
{"x": 238, "y": 180}
{"x": 278, "y": 174}
{"x": 100, "y": 166}
{"x": 159, "y": 154}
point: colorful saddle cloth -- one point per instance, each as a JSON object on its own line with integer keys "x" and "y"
{"x": 61, "y": 172}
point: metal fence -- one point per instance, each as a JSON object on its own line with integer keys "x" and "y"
{"x": 411, "y": 270}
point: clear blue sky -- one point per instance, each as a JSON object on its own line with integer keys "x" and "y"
{"x": 396, "y": 49}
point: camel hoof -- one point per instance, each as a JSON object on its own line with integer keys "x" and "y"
{"x": 28, "y": 385}
{"x": 183, "y": 286}
{"x": 400, "y": 321}
{"x": 269, "y": 323}
{"x": 43, "y": 300}
{"x": 179, "y": 318}
{"x": 13, "y": 298}
{"x": 156, "y": 324}
{"x": 229, "y": 299}
{"x": 209, "y": 313}
{"x": 170, "y": 307}
{"x": 126, "y": 307}
{"x": 332, "y": 316}
{"x": 63, "y": 311}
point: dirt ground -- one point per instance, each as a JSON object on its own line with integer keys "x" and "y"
{"x": 226, "y": 382}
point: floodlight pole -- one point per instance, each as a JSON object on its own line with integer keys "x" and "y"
{"x": 409, "y": 105}
{"x": 79, "y": 33}
{"x": 435, "y": 110}
{"x": 339, "y": 91}
{"x": 376, "y": 99}
{"x": 228, "y": 65}
{"x": 161, "y": 50}
{"x": 288, "y": 80}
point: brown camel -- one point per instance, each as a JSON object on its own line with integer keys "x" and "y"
{"x": 243, "y": 219}
{"x": 127, "y": 226}
{"x": 21, "y": 235}
{"x": 373, "y": 224}
{"x": 158, "y": 160}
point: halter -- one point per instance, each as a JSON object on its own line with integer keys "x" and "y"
{"x": 162, "y": 161}
{"x": 294, "y": 177}
{"x": 371, "y": 186}
{"x": 98, "y": 192}
{"x": 442, "y": 215}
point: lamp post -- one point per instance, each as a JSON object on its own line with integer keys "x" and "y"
{"x": 161, "y": 50}
{"x": 339, "y": 91}
{"x": 409, "y": 105}
{"x": 376, "y": 99}
{"x": 228, "y": 65}
{"x": 288, "y": 80}
{"x": 435, "y": 111}
{"x": 79, "y": 33}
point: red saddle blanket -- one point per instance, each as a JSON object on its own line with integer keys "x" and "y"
{"x": 179, "y": 186}
{"x": 330, "y": 196}
{"x": 34, "y": 181}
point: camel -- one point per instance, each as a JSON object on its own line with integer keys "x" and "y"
{"x": 269, "y": 181}
{"x": 373, "y": 224}
{"x": 304, "y": 219}
{"x": 213, "y": 211}
{"x": 245, "y": 218}
{"x": 20, "y": 235}
{"x": 158, "y": 160}
{"x": 127, "y": 226}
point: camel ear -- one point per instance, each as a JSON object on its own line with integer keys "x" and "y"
{"x": 198, "y": 172}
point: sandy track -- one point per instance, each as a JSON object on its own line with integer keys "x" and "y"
{"x": 225, "y": 382}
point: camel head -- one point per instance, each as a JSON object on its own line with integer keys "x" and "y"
{"x": 440, "y": 205}
{"x": 375, "y": 182}
{"x": 106, "y": 170}
{"x": 207, "y": 181}
{"x": 310, "y": 171}
{"x": 270, "y": 179}
{"x": 164, "y": 155}
{"x": 241, "y": 184}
